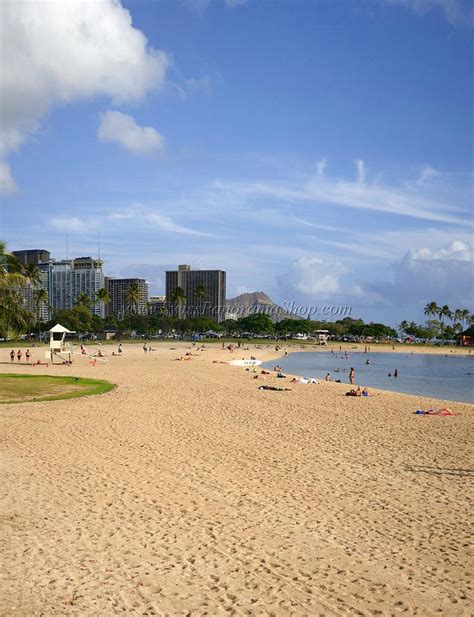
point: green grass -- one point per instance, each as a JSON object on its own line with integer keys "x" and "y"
{"x": 33, "y": 388}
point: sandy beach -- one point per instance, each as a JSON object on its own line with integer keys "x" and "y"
{"x": 188, "y": 491}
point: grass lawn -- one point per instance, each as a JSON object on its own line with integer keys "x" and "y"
{"x": 27, "y": 388}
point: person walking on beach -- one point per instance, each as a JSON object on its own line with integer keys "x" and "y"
{"x": 27, "y": 355}
{"x": 120, "y": 348}
{"x": 18, "y": 355}
{"x": 352, "y": 375}
{"x": 12, "y": 355}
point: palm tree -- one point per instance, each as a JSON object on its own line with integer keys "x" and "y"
{"x": 431, "y": 309}
{"x": 83, "y": 300}
{"x": 102, "y": 297}
{"x": 403, "y": 326}
{"x": 14, "y": 316}
{"x": 434, "y": 327}
{"x": 132, "y": 298}
{"x": 40, "y": 298}
{"x": 178, "y": 297}
{"x": 443, "y": 312}
{"x": 464, "y": 315}
{"x": 201, "y": 294}
{"x": 32, "y": 274}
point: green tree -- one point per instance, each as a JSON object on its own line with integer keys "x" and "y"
{"x": 403, "y": 325}
{"x": 287, "y": 327}
{"x": 32, "y": 275}
{"x": 77, "y": 319}
{"x": 259, "y": 323}
{"x": 14, "y": 315}
{"x": 83, "y": 300}
{"x": 200, "y": 292}
{"x": 444, "y": 313}
{"x": 431, "y": 309}
{"x": 102, "y": 297}
{"x": 178, "y": 298}
{"x": 434, "y": 328}
{"x": 132, "y": 297}
{"x": 40, "y": 297}
{"x": 464, "y": 314}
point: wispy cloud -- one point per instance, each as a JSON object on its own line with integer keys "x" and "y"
{"x": 397, "y": 200}
{"x": 74, "y": 224}
{"x": 151, "y": 218}
{"x": 137, "y": 217}
{"x": 457, "y": 12}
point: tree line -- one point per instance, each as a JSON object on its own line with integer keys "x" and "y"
{"x": 442, "y": 323}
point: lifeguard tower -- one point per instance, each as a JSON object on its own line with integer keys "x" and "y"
{"x": 58, "y": 348}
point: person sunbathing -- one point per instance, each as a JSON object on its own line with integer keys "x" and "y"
{"x": 265, "y": 387}
{"x": 356, "y": 392}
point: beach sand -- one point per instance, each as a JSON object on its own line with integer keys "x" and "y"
{"x": 188, "y": 491}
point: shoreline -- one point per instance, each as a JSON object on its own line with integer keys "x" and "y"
{"x": 375, "y": 389}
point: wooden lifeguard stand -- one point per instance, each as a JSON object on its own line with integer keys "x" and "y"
{"x": 57, "y": 344}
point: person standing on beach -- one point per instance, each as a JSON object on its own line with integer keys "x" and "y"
{"x": 352, "y": 375}
{"x": 27, "y": 355}
{"x": 12, "y": 355}
{"x": 18, "y": 355}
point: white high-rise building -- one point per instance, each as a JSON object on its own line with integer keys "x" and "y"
{"x": 71, "y": 277}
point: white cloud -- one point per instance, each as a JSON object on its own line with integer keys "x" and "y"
{"x": 7, "y": 183}
{"x": 457, "y": 12}
{"x": 123, "y": 130}
{"x": 311, "y": 277}
{"x": 443, "y": 274}
{"x": 54, "y": 53}
{"x": 457, "y": 250}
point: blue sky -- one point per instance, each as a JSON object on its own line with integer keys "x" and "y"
{"x": 319, "y": 151}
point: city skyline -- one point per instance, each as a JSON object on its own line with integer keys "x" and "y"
{"x": 322, "y": 154}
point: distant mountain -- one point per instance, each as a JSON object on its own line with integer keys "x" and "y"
{"x": 255, "y": 302}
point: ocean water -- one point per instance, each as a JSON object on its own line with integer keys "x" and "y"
{"x": 448, "y": 377}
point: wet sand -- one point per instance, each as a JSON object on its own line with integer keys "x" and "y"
{"x": 188, "y": 491}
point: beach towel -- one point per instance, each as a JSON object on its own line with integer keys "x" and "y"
{"x": 432, "y": 412}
